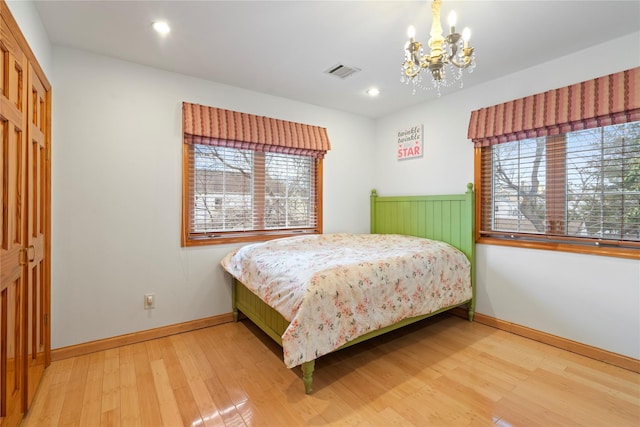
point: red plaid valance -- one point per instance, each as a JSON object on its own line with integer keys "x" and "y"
{"x": 215, "y": 126}
{"x": 607, "y": 100}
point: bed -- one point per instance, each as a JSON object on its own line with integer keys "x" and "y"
{"x": 327, "y": 292}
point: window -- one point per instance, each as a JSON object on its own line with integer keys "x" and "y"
{"x": 583, "y": 184}
{"x": 237, "y": 190}
{"x": 569, "y": 184}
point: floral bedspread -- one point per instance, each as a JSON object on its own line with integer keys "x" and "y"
{"x": 332, "y": 288}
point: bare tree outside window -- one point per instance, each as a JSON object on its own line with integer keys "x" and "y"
{"x": 519, "y": 200}
{"x": 604, "y": 192}
{"x": 582, "y": 184}
{"x": 239, "y": 190}
{"x": 289, "y": 195}
{"x": 222, "y": 189}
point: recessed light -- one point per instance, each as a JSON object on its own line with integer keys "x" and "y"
{"x": 161, "y": 27}
{"x": 373, "y": 91}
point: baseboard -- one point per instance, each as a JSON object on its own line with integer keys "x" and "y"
{"x": 615, "y": 359}
{"x": 165, "y": 331}
{"x": 136, "y": 337}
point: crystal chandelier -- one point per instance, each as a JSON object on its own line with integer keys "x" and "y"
{"x": 447, "y": 58}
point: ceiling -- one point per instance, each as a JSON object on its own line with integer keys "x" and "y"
{"x": 283, "y": 48}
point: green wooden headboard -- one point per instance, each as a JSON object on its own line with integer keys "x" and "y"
{"x": 450, "y": 218}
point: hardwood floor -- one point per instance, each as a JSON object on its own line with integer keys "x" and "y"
{"x": 441, "y": 371}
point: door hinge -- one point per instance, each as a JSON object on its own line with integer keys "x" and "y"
{"x": 46, "y": 318}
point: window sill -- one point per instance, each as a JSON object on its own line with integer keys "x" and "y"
{"x": 563, "y": 247}
{"x": 236, "y": 238}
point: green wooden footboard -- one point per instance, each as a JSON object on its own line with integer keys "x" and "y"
{"x": 448, "y": 218}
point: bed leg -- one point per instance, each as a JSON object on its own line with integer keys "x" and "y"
{"x": 307, "y": 375}
{"x": 472, "y": 309}
{"x": 234, "y": 292}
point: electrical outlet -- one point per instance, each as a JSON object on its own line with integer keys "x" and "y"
{"x": 149, "y": 301}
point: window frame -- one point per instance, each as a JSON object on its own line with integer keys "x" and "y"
{"x": 582, "y": 245}
{"x": 188, "y": 239}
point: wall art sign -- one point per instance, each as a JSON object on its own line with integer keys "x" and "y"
{"x": 410, "y": 143}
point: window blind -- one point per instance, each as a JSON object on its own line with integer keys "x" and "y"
{"x": 216, "y": 126}
{"x": 243, "y": 191}
{"x": 607, "y": 100}
{"x": 583, "y": 184}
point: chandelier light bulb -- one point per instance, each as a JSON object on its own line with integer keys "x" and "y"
{"x": 452, "y": 19}
{"x": 411, "y": 32}
{"x": 466, "y": 35}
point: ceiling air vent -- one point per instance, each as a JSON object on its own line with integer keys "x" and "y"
{"x": 342, "y": 71}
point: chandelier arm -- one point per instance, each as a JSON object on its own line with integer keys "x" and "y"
{"x": 411, "y": 73}
{"x": 466, "y": 61}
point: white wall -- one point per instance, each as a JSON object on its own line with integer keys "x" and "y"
{"x": 117, "y": 153}
{"x": 28, "y": 19}
{"x": 590, "y": 299}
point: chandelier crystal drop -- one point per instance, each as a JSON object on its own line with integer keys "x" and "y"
{"x": 447, "y": 58}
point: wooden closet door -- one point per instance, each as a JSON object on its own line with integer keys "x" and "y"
{"x": 36, "y": 294}
{"x": 13, "y": 254}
